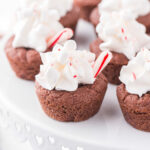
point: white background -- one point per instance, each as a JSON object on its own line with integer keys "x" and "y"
{"x": 7, "y": 141}
{"x": 6, "y": 12}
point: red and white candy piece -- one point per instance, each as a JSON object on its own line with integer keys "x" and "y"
{"x": 101, "y": 62}
{"x": 62, "y": 36}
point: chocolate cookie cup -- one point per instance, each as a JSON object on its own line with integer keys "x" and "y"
{"x": 70, "y": 20}
{"x": 136, "y": 110}
{"x": 86, "y": 7}
{"x": 112, "y": 70}
{"x": 25, "y": 62}
{"x": 145, "y": 20}
{"x": 73, "y": 106}
{"x": 95, "y": 16}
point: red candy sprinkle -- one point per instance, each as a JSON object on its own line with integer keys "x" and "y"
{"x": 122, "y": 30}
{"x": 125, "y": 37}
{"x": 134, "y": 76}
{"x": 75, "y": 76}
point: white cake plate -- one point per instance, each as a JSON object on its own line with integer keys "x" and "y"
{"x": 21, "y": 112}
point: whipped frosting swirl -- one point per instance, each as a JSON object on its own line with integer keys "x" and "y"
{"x": 136, "y": 8}
{"x": 37, "y": 23}
{"x": 65, "y": 68}
{"x": 136, "y": 74}
{"x": 121, "y": 33}
{"x": 35, "y": 27}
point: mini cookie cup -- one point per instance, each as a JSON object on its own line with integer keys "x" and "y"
{"x": 25, "y": 62}
{"x": 73, "y": 106}
{"x": 136, "y": 110}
